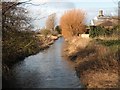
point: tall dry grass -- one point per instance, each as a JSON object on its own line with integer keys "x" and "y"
{"x": 74, "y": 44}
{"x": 97, "y": 65}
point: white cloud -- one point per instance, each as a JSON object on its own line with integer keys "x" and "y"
{"x": 75, "y": 0}
{"x": 39, "y": 1}
{"x": 36, "y": 1}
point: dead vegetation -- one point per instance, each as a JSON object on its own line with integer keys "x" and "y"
{"x": 96, "y": 64}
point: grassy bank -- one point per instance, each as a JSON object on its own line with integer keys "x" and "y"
{"x": 20, "y": 45}
{"x": 96, "y": 61}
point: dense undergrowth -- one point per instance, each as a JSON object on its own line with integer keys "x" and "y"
{"x": 18, "y": 46}
{"x": 98, "y": 31}
{"x": 97, "y": 64}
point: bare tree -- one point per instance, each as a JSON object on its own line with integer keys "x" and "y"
{"x": 50, "y": 22}
{"x": 72, "y": 23}
{"x": 16, "y": 28}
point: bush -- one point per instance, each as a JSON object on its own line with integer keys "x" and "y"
{"x": 18, "y": 40}
{"x": 18, "y": 46}
{"x": 96, "y": 31}
{"x": 116, "y": 30}
{"x": 58, "y": 29}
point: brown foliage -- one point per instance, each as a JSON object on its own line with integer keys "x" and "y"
{"x": 72, "y": 23}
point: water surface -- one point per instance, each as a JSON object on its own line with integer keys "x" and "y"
{"x": 47, "y": 69}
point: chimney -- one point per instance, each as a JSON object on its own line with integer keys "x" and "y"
{"x": 100, "y": 13}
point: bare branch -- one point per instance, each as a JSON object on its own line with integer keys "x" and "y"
{"x": 35, "y": 4}
{"x": 13, "y": 4}
{"x": 7, "y": 7}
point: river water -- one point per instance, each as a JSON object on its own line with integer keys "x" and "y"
{"x": 47, "y": 69}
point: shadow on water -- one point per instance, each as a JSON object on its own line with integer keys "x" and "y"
{"x": 47, "y": 69}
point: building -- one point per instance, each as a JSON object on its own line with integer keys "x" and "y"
{"x": 104, "y": 21}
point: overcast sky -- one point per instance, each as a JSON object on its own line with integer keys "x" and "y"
{"x": 47, "y": 7}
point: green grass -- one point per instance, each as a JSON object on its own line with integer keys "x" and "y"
{"x": 108, "y": 42}
{"x": 113, "y": 46}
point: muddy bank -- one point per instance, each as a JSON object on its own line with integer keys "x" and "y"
{"x": 96, "y": 65}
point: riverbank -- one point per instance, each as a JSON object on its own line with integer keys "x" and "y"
{"x": 96, "y": 62}
{"x": 22, "y": 46}
{"x": 46, "y": 69}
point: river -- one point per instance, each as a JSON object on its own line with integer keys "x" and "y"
{"x": 46, "y": 69}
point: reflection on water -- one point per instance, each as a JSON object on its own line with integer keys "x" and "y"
{"x": 47, "y": 69}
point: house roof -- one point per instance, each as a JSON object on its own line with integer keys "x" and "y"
{"x": 106, "y": 23}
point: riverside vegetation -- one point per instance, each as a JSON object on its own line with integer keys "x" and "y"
{"x": 18, "y": 38}
{"x": 97, "y": 57}
{"x": 97, "y": 60}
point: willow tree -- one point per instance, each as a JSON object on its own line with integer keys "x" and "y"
{"x": 72, "y": 23}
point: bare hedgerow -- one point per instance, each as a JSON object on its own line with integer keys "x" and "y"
{"x": 72, "y": 23}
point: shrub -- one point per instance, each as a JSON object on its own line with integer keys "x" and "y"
{"x": 116, "y": 30}
{"x": 96, "y": 31}
{"x": 18, "y": 46}
{"x": 18, "y": 41}
{"x": 58, "y": 29}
